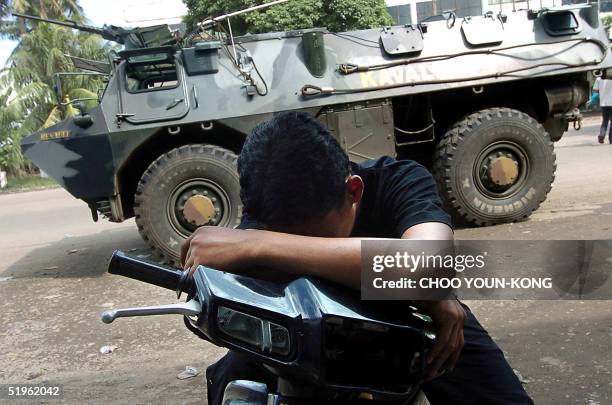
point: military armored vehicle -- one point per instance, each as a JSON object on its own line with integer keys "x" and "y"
{"x": 480, "y": 100}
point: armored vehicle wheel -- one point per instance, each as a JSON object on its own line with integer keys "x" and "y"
{"x": 494, "y": 166}
{"x": 185, "y": 188}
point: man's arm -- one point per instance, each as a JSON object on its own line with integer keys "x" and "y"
{"x": 334, "y": 259}
{"x": 238, "y": 251}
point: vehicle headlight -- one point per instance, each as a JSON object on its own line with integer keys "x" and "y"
{"x": 261, "y": 334}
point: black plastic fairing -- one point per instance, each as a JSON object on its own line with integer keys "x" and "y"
{"x": 321, "y": 349}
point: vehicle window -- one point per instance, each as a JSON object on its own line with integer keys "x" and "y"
{"x": 562, "y": 21}
{"x": 150, "y": 75}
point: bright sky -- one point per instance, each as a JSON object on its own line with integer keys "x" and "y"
{"x": 123, "y": 13}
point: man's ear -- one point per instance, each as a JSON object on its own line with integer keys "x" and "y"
{"x": 354, "y": 188}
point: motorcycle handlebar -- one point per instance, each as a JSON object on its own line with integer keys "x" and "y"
{"x": 150, "y": 272}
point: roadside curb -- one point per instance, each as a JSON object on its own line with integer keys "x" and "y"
{"x": 25, "y": 190}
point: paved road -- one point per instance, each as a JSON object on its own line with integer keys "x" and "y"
{"x": 53, "y": 286}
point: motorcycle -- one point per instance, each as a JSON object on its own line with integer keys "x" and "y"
{"x": 321, "y": 342}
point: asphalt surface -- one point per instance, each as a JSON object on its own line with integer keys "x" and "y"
{"x": 53, "y": 287}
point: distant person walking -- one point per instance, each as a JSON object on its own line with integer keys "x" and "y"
{"x": 603, "y": 87}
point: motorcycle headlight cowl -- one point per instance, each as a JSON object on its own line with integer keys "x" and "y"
{"x": 256, "y": 333}
{"x": 316, "y": 332}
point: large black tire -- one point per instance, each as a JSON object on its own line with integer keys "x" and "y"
{"x": 466, "y": 153}
{"x": 195, "y": 169}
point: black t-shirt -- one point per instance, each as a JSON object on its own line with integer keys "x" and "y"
{"x": 398, "y": 194}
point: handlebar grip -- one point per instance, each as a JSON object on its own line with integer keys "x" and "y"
{"x": 149, "y": 272}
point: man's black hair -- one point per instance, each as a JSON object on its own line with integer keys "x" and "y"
{"x": 291, "y": 170}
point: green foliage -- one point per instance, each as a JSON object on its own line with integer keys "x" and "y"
{"x": 607, "y": 22}
{"x": 346, "y": 15}
{"x": 26, "y": 83}
{"x": 336, "y": 15}
{"x": 28, "y": 183}
{"x": 53, "y": 9}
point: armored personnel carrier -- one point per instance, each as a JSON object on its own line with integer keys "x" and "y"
{"x": 480, "y": 100}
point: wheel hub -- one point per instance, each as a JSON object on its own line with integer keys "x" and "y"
{"x": 199, "y": 210}
{"x": 503, "y": 171}
{"x": 195, "y": 203}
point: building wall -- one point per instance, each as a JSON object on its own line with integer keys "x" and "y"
{"x": 413, "y": 11}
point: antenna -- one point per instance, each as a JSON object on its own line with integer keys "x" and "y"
{"x": 213, "y": 21}
{"x": 206, "y": 24}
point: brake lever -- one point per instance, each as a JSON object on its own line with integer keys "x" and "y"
{"x": 189, "y": 308}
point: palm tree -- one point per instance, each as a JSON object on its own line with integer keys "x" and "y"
{"x": 53, "y": 9}
{"x": 26, "y": 84}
